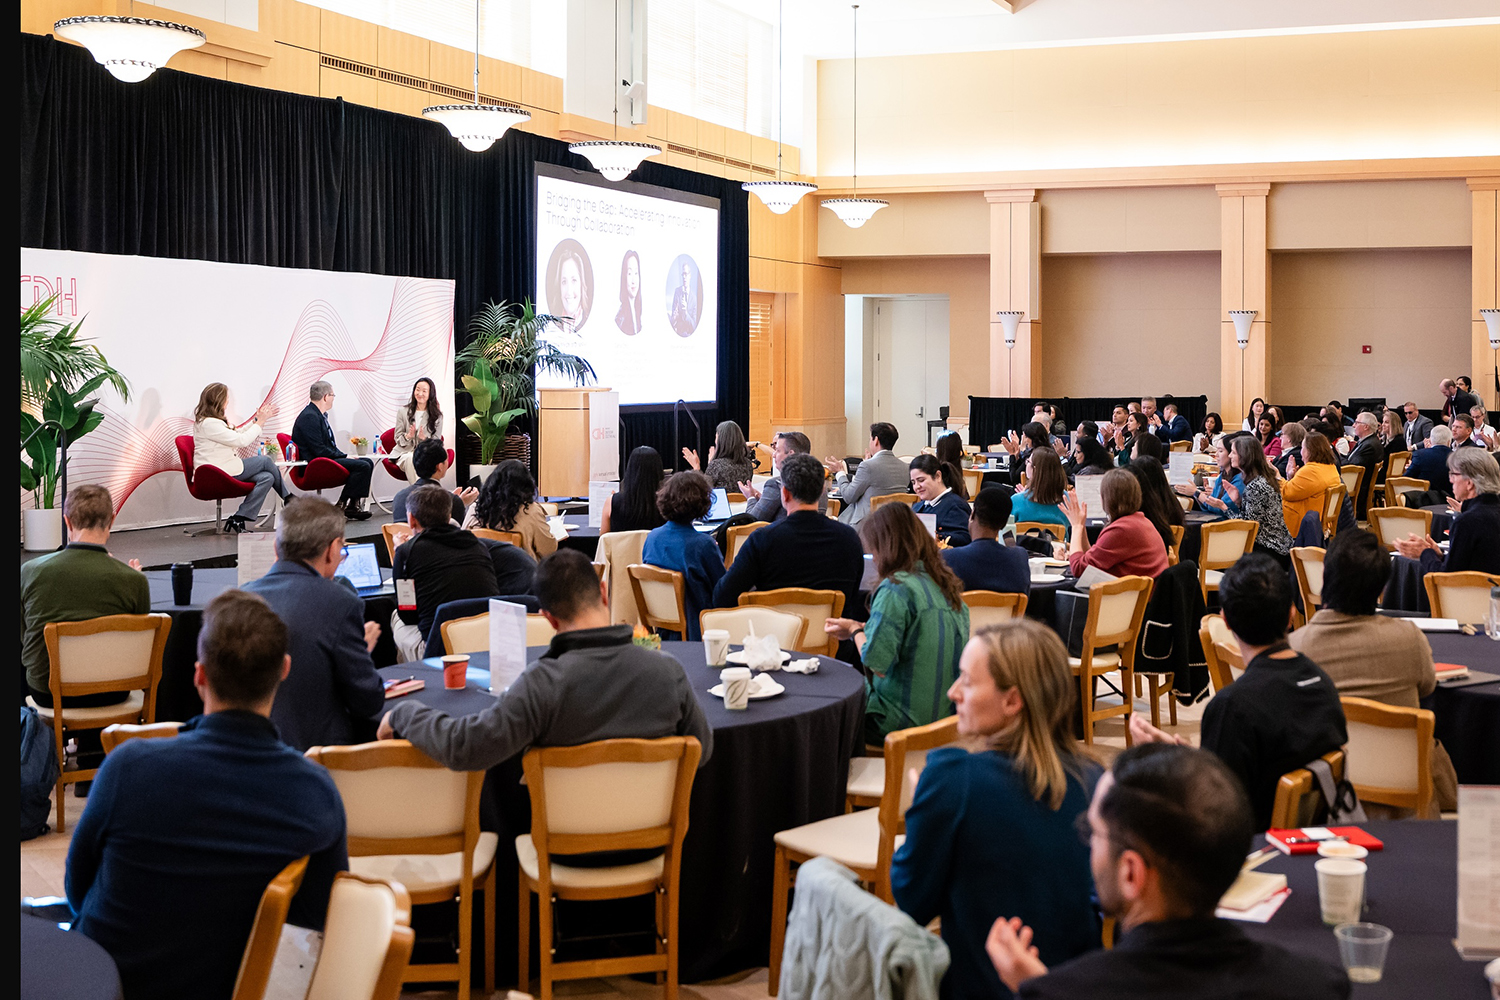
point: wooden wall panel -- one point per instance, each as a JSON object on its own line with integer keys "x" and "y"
{"x": 350, "y": 38}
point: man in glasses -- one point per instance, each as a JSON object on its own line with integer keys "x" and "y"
{"x": 313, "y": 436}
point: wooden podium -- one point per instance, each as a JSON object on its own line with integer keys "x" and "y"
{"x": 563, "y": 453}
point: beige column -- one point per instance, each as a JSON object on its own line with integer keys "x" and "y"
{"x": 1485, "y": 192}
{"x": 1245, "y": 283}
{"x": 1015, "y": 283}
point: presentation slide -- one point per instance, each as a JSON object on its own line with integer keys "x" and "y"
{"x": 633, "y": 270}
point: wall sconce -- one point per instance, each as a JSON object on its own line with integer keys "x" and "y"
{"x": 1242, "y": 320}
{"x": 1492, "y": 320}
{"x": 1010, "y": 319}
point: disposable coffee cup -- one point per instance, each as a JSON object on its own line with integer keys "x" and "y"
{"x": 715, "y": 646}
{"x": 736, "y": 681}
{"x": 1341, "y": 889}
{"x": 1341, "y": 849}
{"x": 182, "y": 583}
{"x": 456, "y": 671}
{"x": 1037, "y": 566}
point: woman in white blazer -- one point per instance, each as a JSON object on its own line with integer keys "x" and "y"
{"x": 218, "y": 444}
{"x": 418, "y": 420}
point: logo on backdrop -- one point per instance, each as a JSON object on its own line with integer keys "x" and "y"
{"x": 570, "y": 284}
{"x": 684, "y": 295}
{"x": 37, "y": 288}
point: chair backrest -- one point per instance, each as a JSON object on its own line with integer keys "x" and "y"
{"x": 735, "y": 537}
{"x": 467, "y": 635}
{"x": 265, "y": 933}
{"x": 388, "y": 440}
{"x": 617, "y": 551}
{"x": 1174, "y": 554}
{"x": 659, "y": 597}
{"x": 1353, "y": 477}
{"x": 1180, "y": 446}
{"x": 990, "y": 607}
{"x": 1333, "y": 501}
{"x": 1395, "y": 465}
{"x": 1186, "y": 503}
{"x": 973, "y": 481}
{"x": 1388, "y": 753}
{"x": 1396, "y": 488}
{"x": 1224, "y": 542}
{"x": 1464, "y": 596}
{"x": 367, "y": 941}
{"x": 1058, "y": 531}
{"x": 1307, "y": 565}
{"x": 1298, "y": 794}
{"x": 398, "y": 800}
{"x": 1116, "y": 610}
{"x": 184, "y": 444}
{"x": 1391, "y": 523}
{"x": 112, "y": 653}
{"x": 905, "y": 751}
{"x": 835, "y": 507}
{"x": 789, "y": 629}
{"x": 539, "y": 631}
{"x": 514, "y": 537}
{"x": 113, "y": 735}
{"x": 907, "y": 498}
{"x": 1221, "y": 651}
{"x": 396, "y": 534}
{"x": 817, "y": 606}
{"x": 610, "y": 795}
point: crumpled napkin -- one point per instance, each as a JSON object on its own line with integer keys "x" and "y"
{"x": 558, "y": 527}
{"x": 807, "y": 666}
{"x": 762, "y": 652}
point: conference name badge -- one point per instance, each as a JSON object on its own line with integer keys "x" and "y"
{"x": 406, "y": 595}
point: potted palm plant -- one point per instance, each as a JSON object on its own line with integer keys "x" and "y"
{"x": 497, "y": 372}
{"x": 60, "y": 372}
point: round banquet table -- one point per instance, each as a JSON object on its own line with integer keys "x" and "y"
{"x": 64, "y": 965}
{"x": 1442, "y": 520}
{"x": 1412, "y": 888}
{"x": 1467, "y": 715}
{"x": 580, "y": 536}
{"x": 781, "y": 763}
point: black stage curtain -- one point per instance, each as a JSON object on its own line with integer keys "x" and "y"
{"x": 992, "y": 417}
{"x": 189, "y": 167}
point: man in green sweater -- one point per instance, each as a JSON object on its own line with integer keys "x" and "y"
{"x": 79, "y": 582}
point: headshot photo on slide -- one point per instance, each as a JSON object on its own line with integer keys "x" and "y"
{"x": 684, "y": 295}
{"x": 570, "y": 284}
{"x": 628, "y": 319}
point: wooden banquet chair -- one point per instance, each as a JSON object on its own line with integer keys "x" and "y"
{"x": 209, "y": 483}
{"x": 1354, "y": 478}
{"x": 396, "y": 535}
{"x": 1116, "y": 610}
{"x": 466, "y": 635}
{"x": 1223, "y": 544}
{"x": 1396, "y": 488}
{"x": 120, "y": 732}
{"x": 1180, "y": 446}
{"x": 1388, "y": 755}
{"x": 414, "y": 822}
{"x": 862, "y": 841}
{"x": 115, "y": 653}
{"x": 610, "y": 795}
{"x": 1461, "y": 596}
{"x": 494, "y": 535}
{"x": 835, "y": 507}
{"x": 1221, "y": 651}
{"x": 660, "y": 597}
{"x": 1307, "y": 567}
{"x": 789, "y": 629}
{"x": 265, "y": 932}
{"x": 817, "y": 606}
{"x": 1174, "y": 554}
{"x": 910, "y": 499}
{"x": 367, "y": 940}
{"x": 973, "y": 482}
{"x": 619, "y": 550}
{"x": 990, "y": 607}
{"x": 735, "y": 537}
{"x": 1391, "y": 523}
{"x": 1394, "y": 465}
{"x": 1057, "y": 531}
{"x": 1298, "y": 795}
{"x": 1333, "y": 503}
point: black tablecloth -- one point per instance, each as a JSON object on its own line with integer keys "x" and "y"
{"x": 1442, "y": 520}
{"x": 580, "y": 536}
{"x": 64, "y": 965}
{"x": 176, "y": 698}
{"x": 782, "y": 763}
{"x": 1405, "y": 590}
{"x": 1467, "y": 718}
{"x": 1411, "y": 888}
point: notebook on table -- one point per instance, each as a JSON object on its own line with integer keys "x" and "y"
{"x": 1304, "y": 840}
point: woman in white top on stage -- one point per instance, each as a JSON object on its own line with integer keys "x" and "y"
{"x": 217, "y": 443}
{"x": 417, "y": 421}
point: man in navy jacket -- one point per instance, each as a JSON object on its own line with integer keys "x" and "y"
{"x": 313, "y": 436}
{"x": 1431, "y": 464}
{"x": 333, "y": 693}
{"x": 1173, "y": 426}
{"x": 986, "y": 563}
{"x": 181, "y": 836}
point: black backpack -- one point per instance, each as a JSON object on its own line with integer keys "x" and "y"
{"x": 38, "y": 774}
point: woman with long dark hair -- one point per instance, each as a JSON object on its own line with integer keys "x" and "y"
{"x": 937, "y": 484}
{"x": 1090, "y": 458}
{"x": 730, "y": 461}
{"x": 1259, "y": 498}
{"x": 950, "y": 449}
{"x": 628, "y": 319}
{"x": 1158, "y": 501}
{"x": 1046, "y": 482}
{"x": 507, "y": 502}
{"x": 1258, "y": 409}
{"x": 1268, "y": 433}
{"x": 1212, "y": 433}
{"x": 421, "y": 418}
{"x": 217, "y": 443}
{"x": 633, "y": 506}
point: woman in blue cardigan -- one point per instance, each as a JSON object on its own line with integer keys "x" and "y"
{"x": 940, "y": 488}
{"x": 677, "y": 545}
{"x": 991, "y": 829}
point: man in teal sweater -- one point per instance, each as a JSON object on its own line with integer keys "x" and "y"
{"x": 79, "y": 582}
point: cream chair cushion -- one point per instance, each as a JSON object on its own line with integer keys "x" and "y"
{"x": 784, "y": 625}
{"x": 567, "y": 877}
{"x": 397, "y": 802}
{"x": 105, "y": 656}
{"x": 422, "y": 873}
{"x": 1381, "y": 757}
{"x": 470, "y": 635}
{"x": 661, "y": 599}
{"x": 866, "y": 777}
{"x": 356, "y": 936}
{"x": 1100, "y": 660}
{"x": 1468, "y": 605}
{"x": 614, "y": 797}
{"x": 539, "y": 631}
{"x": 132, "y": 705}
{"x": 853, "y": 839}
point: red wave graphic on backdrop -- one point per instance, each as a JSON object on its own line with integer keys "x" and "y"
{"x": 418, "y": 328}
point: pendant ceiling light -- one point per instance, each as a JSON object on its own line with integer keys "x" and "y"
{"x": 615, "y": 158}
{"x": 131, "y": 48}
{"x": 779, "y": 195}
{"x": 855, "y": 211}
{"x": 477, "y": 125}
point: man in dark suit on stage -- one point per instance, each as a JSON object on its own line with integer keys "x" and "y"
{"x": 314, "y": 438}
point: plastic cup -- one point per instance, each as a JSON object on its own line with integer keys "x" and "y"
{"x": 736, "y": 681}
{"x": 1341, "y": 889}
{"x": 715, "y": 646}
{"x": 1362, "y": 949}
{"x": 456, "y": 671}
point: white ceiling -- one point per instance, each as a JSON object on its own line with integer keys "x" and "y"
{"x": 822, "y": 28}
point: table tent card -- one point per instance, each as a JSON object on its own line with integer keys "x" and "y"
{"x": 1087, "y": 490}
{"x": 929, "y": 521}
{"x": 1180, "y": 471}
{"x": 1478, "y": 872}
{"x": 257, "y": 554}
{"x": 507, "y": 644}
{"x": 599, "y": 494}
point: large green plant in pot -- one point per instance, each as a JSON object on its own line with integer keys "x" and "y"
{"x": 59, "y": 373}
{"x": 497, "y": 369}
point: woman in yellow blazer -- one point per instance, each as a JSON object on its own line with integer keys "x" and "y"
{"x": 1308, "y": 481}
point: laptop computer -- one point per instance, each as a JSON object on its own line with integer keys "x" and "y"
{"x": 361, "y": 567}
{"x": 718, "y": 509}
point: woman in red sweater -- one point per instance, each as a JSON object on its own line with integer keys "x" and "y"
{"x": 1129, "y": 545}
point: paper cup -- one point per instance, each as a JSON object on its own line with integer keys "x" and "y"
{"x": 1362, "y": 949}
{"x": 1341, "y": 849}
{"x": 456, "y": 671}
{"x": 715, "y": 646}
{"x": 1038, "y": 566}
{"x": 736, "y": 681}
{"x": 1341, "y": 889}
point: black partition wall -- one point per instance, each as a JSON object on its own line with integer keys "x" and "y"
{"x": 185, "y": 166}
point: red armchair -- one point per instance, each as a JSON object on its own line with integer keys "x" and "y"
{"x": 317, "y": 475}
{"x": 209, "y": 483}
{"x": 387, "y": 442}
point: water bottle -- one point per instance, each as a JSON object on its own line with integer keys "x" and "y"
{"x": 1492, "y": 621}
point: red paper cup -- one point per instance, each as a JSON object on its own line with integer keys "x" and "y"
{"x": 455, "y": 671}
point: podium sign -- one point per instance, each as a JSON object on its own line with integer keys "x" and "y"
{"x": 604, "y": 436}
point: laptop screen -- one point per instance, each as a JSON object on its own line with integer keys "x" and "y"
{"x": 720, "y": 509}
{"x": 360, "y": 566}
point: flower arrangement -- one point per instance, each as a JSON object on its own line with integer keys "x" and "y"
{"x": 361, "y": 444}
{"x": 641, "y": 637}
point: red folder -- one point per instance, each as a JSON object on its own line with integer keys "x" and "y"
{"x": 1352, "y": 834}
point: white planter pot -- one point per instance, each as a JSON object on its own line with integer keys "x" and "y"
{"x": 44, "y": 529}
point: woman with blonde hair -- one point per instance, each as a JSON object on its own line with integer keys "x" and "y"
{"x": 217, "y": 443}
{"x": 990, "y": 828}
{"x": 917, "y": 627}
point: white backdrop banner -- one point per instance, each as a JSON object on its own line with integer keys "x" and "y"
{"x": 604, "y": 436}
{"x": 174, "y": 326}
